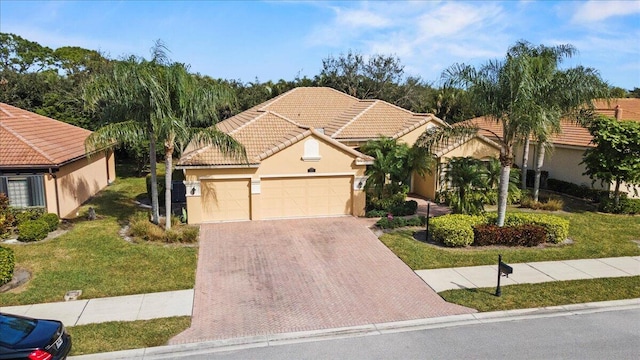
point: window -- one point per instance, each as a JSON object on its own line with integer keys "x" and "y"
{"x": 23, "y": 191}
{"x": 311, "y": 150}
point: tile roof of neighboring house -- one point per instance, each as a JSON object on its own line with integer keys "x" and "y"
{"x": 285, "y": 119}
{"x": 29, "y": 140}
{"x": 629, "y": 108}
{"x": 571, "y": 134}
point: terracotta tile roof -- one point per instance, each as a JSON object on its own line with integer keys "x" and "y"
{"x": 571, "y": 134}
{"x": 31, "y": 140}
{"x": 629, "y": 108}
{"x": 444, "y": 147}
{"x": 285, "y": 119}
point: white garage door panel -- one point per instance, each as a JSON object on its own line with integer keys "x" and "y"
{"x": 225, "y": 200}
{"x": 304, "y": 197}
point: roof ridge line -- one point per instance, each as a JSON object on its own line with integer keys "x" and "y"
{"x": 276, "y": 99}
{"x": 288, "y": 120}
{"x": 337, "y": 132}
{"x": 247, "y": 123}
{"x": 32, "y": 146}
{"x": 284, "y": 144}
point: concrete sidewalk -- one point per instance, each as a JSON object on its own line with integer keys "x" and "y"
{"x": 120, "y": 308}
{"x": 534, "y": 272}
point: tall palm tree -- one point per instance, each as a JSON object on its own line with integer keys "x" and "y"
{"x": 159, "y": 101}
{"x": 557, "y": 94}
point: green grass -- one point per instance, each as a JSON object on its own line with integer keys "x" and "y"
{"x": 595, "y": 235}
{"x": 525, "y": 296}
{"x": 124, "y": 335}
{"x": 92, "y": 256}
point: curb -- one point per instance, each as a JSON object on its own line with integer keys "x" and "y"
{"x": 207, "y": 347}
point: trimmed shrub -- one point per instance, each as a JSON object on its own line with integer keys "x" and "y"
{"x": 376, "y": 213}
{"x": 6, "y": 216}
{"x": 557, "y": 228}
{"x": 22, "y": 215}
{"x": 523, "y": 235}
{"x": 454, "y": 230}
{"x": 7, "y": 264}
{"x": 396, "y": 222}
{"x": 576, "y": 190}
{"x": 548, "y": 205}
{"x": 625, "y": 206}
{"x": 406, "y": 208}
{"x": 52, "y": 221}
{"x": 33, "y": 230}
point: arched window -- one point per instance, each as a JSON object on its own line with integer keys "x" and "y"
{"x": 311, "y": 150}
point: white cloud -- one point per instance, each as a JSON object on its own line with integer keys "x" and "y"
{"x": 602, "y": 10}
{"x": 360, "y": 18}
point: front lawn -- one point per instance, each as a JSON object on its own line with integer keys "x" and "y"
{"x": 525, "y": 296}
{"x": 92, "y": 257}
{"x": 594, "y": 235}
{"x": 125, "y": 335}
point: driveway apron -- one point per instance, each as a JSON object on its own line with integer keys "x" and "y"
{"x": 268, "y": 277}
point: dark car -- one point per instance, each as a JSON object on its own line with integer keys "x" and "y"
{"x": 34, "y": 339}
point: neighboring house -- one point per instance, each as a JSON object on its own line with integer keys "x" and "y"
{"x": 43, "y": 163}
{"x": 563, "y": 161}
{"x": 302, "y": 157}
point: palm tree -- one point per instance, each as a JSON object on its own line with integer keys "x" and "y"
{"x": 509, "y": 93}
{"x": 161, "y": 102}
{"x": 393, "y": 165}
{"x": 468, "y": 177}
{"x": 557, "y": 94}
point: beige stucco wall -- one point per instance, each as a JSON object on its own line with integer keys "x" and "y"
{"x": 77, "y": 182}
{"x": 288, "y": 162}
{"x": 478, "y": 148}
{"x": 411, "y": 137}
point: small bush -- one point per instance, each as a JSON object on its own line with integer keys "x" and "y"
{"x": 549, "y": 205}
{"x": 406, "y": 208}
{"x": 396, "y": 222}
{"x": 6, "y": 216}
{"x": 579, "y": 191}
{"x": 523, "y": 235}
{"x": 52, "y": 221}
{"x": 375, "y": 213}
{"x": 189, "y": 233}
{"x": 557, "y": 228}
{"x": 140, "y": 227}
{"x": 454, "y": 230}
{"x": 625, "y": 206}
{"x": 22, "y": 215}
{"x": 33, "y": 230}
{"x": 7, "y": 263}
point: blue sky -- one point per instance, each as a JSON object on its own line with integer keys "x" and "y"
{"x": 274, "y": 40}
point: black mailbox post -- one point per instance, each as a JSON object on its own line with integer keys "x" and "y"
{"x": 503, "y": 270}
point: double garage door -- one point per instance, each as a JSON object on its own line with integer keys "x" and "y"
{"x": 224, "y": 200}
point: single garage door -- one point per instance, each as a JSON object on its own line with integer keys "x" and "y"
{"x": 225, "y": 200}
{"x": 305, "y": 197}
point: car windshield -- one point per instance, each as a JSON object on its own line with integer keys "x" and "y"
{"x": 14, "y": 329}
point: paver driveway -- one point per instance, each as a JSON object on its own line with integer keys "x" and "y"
{"x": 268, "y": 277}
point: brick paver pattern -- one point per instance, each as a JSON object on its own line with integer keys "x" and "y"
{"x": 269, "y": 277}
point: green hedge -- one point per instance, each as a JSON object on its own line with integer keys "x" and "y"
{"x": 33, "y": 230}
{"x": 454, "y": 230}
{"x": 523, "y": 235}
{"x": 52, "y": 220}
{"x": 557, "y": 228}
{"x": 580, "y": 191}
{"x": 625, "y": 206}
{"x": 396, "y": 222}
{"x": 7, "y": 263}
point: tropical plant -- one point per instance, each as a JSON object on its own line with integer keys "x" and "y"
{"x": 394, "y": 163}
{"x": 556, "y": 94}
{"x": 616, "y": 155}
{"x": 468, "y": 179}
{"x": 158, "y": 101}
{"x": 505, "y": 91}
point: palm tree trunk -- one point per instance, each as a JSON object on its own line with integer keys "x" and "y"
{"x": 506, "y": 160}
{"x": 155, "y": 207}
{"x": 168, "y": 163}
{"x": 538, "y": 168}
{"x": 525, "y": 163}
